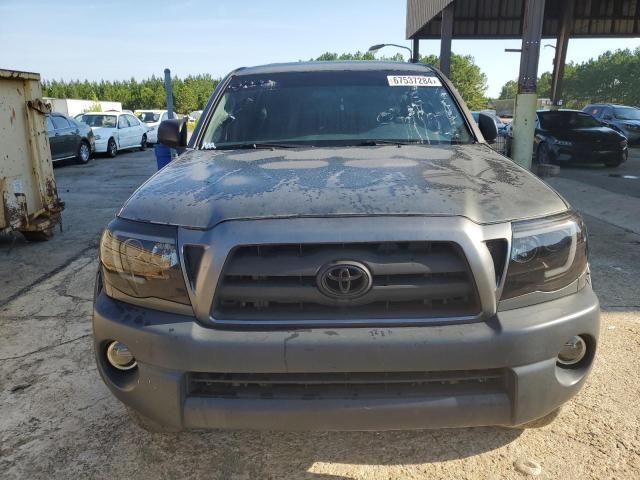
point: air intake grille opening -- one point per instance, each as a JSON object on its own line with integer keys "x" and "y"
{"x": 410, "y": 280}
{"x": 346, "y": 385}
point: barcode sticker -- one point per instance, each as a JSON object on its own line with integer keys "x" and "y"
{"x": 413, "y": 81}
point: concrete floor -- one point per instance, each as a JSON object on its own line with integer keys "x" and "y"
{"x": 59, "y": 421}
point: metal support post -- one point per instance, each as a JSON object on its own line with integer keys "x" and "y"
{"x": 446, "y": 32}
{"x": 561, "y": 51}
{"x": 526, "y": 100}
{"x": 415, "y": 56}
{"x": 169, "y": 92}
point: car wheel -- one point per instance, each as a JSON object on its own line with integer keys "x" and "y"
{"x": 84, "y": 153}
{"x": 148, "y": 424}
{"x": 143, "y": 143}
{"x": 112, "y": 148}
{"x": 543, "y": 156}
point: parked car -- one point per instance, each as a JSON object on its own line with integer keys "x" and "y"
{"x": 338, "y": 249}
{"x": 116, "y": 131}
{"x": 572, "y": 136}
{"x": 195, "y": 115}
{"x": 152, "y": 119}
{"x": 69, "y": 138}
{"x": 621, "y": 118}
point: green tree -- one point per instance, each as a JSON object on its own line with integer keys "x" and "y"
{"x": 466, "y": 76}
{"x": 544, "y": 85}
{"x": 192, "y": 93}
{"x": 509, "y": 90}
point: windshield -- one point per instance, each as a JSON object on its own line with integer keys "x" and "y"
{"x": 100, "y": 120}
{"x": 567, "y": 120}
{"x": 335, "y": 108}
{"x": 148, "y": 117}
{"x": 627, "y": 113}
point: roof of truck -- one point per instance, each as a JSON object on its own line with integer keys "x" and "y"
{"x": 334, "y": 66}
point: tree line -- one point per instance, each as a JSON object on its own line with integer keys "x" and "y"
{"x": 189, "y": 93}
{"x": 611, "y": 78}
{"x": 192, "y": 92}
{"x": 465, "y": 75}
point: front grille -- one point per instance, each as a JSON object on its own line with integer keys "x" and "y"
{"x": 409, "y": 280}
{"x": 313, "y": 386}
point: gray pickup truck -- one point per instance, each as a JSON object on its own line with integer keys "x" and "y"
{"x": 339, "y": 249}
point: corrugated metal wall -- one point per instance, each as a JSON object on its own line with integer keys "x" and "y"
{"x": 419, "y": 12}
{"x": 503, "y": 18}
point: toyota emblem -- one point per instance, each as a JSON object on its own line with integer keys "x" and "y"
{"x": 344, "y": 280}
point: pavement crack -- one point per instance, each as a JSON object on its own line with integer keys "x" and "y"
{"x": 48, "y": 347}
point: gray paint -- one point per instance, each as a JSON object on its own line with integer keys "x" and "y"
{"x": 203, "y": 188}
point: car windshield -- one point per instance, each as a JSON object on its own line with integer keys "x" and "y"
{"x": 148, "y": 117}
{"x": 100, "y": 120}
{"x": 627, "y": 113}
{"x": 335, "y": 108}
{"x": 566, "y": 120}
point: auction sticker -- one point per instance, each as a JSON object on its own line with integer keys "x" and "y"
{"x": 413, "y": 81}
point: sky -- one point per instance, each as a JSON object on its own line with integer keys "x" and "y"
{"x": 120, "y": 39}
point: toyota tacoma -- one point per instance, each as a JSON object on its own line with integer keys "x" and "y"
{"x": 338, "y": 248}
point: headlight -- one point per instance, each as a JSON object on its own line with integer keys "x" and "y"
{"x": 142, "y": 266}
{"x": 623, "y": 143}
{"x": 97, "y": 137}
{"x": 546, "y": 255}
{"x": 563, "y": 143}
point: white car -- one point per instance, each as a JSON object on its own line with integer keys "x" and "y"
{"x": 115, "y": 131}
{"x": 152, "y": 119}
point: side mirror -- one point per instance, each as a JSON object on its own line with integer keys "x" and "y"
{"x": 487, "y": 127}
{"x": 173, "y": 133}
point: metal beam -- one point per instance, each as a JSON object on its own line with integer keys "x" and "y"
{"x": 446, "y": 33}
{"x": 416, "y": 50}
{"x": 531, "y": 37}
{"x": 526, "y": 101}
{"x": 562, "y": 44}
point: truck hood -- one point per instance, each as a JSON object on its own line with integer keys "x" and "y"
{"x": 203, "y": 188}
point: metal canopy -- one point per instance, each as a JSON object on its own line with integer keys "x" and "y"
{"x": 503, "y": 19}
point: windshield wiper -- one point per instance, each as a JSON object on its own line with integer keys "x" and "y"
{"x": 255, "y": 146}
{"x": 374, "y": 143}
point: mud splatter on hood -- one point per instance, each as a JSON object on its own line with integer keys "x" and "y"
{"x": 204, "y": 188}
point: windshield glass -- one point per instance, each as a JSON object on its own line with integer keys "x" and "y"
{"x": 148, "y": 117}
{"x": 335, "y": 108}
{"x": 627, "y": 113}
{"x": 566, "y": 120}
{"x": 100, "y": 120}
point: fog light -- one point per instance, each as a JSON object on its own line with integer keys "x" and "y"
{"x": 120, "y": 357}
{"x": 572, "y": 352}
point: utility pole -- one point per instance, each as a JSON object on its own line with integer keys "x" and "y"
{"x": 527, "y": 99}
{"x": 169, "y": 92}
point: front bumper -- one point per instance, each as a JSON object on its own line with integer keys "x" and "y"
{"x": 101, "y": 145}
{"x": 521, "y": 343}
{"x": 152, "y": 135}
{"x": 588, "y": 154}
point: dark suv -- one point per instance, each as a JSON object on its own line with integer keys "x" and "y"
{"x": 621, "y": 118}
{"x": 338, "y": 248}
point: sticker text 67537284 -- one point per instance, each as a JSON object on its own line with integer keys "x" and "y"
{"x": 413, "y": 81}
